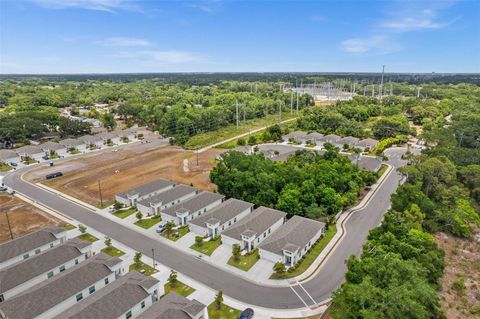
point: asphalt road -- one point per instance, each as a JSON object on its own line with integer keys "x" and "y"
{"x": 319, "y": 287}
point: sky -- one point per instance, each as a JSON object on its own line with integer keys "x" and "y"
{"x": 130, "y": 36}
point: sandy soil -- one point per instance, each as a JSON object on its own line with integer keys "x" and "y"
{"x": 24, "y": 218}
{"x": 128, "y": 168}
{"x": 462, "y": 260}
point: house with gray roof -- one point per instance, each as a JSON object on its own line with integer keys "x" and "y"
{"x": 127, "y": 134}
{"x": 315, "y": 138}
{"x": 332, "y": 139}
{"x": 134, "y": 195}
{"x": 350, "y": 141}
{"x": 23, "y": 275}
{"x": 253, "y": 229}
{"x": 126, "y": 297}
{"x": 367, "y": 144}
{"x": 220, "y": 218}
{"x": 291, "y": 241}
{"x": 29, "y": 245}
{"x": 174, "y": 306}
{"x": 109, "y": 136}
{"x": 155, "y": 204}
{"x": 30, "y": 151}
{"x": 191, "y": 208}
{"x": 91, "y": 140}
{"x": 53, "y": 296}
{"x": 297, "y": 136}
{"x": 72, "y": 143}
{"x": 9, "y": 156}
{"x": 53, "y": 148}
{"x": 370, "y": 163}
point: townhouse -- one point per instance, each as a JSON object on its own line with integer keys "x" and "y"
{"x": 350, "y": 141}
{"x": 154, "y": 204}
{"x": 91, "y": 140}
{"x": 107, "y": 137}
{"x": 332, "y": 139}
{"x": 51, "y": 148}
{"x": 174, "y": 306}
{"x": 132, "y": 196}
{"x": 315, "y": 138}
{"x": 71, "y": 143}
{"x": 367, "y": 144}
{"x": 297, "y": 136}
{"x": 30, "y": 152}
{"x": 10, "y": 157}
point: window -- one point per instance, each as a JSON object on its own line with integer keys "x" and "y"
{"x": 76, "y": 261}
{"x": 264, "y": 235}
{"x": 50, "y": 274}
{"x": 230, "y": 223}
{"x": 235, "y": 220}
{"x": 142, "y": 304}
{"x": 204, "y": 210}
{"x": 269, "y": 230}
{"x": 62, "y": 268}
{"x": 26, "y": 256}
{"x": 128, "y": 315}
{"x": 51, "y": 245}
{"x": 91, "y": 290}
{"x": 79, "y": 297}
{"x": 106, "y": 281}
{"x": 37, "y": 251}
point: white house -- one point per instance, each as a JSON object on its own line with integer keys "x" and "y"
{"x": 134, "y": 195}
{"x": 155, "y": 204}
{"x": 253, "y": 229}
{"x": 52, "y": 147}
{"x": 220, "y": 218}
{"x": 9, "y": 157}
{"x": 30, "y": 151}
{"x": 173, "y": 306}
{"x": 126, "y": 297}
{"x": 53, "y": 296}
{"x": 291, "y": 241}
{"x": 71, "y": 143}
{"x": 23, "y": 275}
{"x": 29, "y": 245}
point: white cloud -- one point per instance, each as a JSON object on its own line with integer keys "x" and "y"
{"x": 207, "y": 6}
{"x": 124, "y": 42}
{"x": 170, "y": 56}
{"x": 374, "y": 44}
{"x": 413, "y": 24}
{"x": 99, "y": 5}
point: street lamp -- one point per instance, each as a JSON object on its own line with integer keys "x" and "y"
{"x": 153, "y": 258}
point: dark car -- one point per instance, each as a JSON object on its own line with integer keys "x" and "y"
{"x": 246, "y": 314}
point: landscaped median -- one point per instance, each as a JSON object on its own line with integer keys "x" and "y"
{"x": 246, "y": 261}
{"x": 207, "y": 247}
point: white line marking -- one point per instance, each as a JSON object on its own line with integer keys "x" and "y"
{"x": 301, "y": 286}
{"x": 299, "y": 297}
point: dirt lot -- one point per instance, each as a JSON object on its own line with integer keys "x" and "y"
{"x": 24, "y": 218}
{"x": 128, "y": 168}
{"x": 462, "y": 261}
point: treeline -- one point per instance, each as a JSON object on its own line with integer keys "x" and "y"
{"x": 307, "y": 184}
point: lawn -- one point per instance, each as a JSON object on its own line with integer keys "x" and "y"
{"x": 30, "y": 161}
{"x": 88, "y": 237}
{"x": 4, "y": 167}
{"x": 124, "y": 213}
{"x": 225, "y": 312}
{"x": 148, "y": 222}
{"x": 180, "y": 288}
{"x": 382, "y": 170}
{"x": 75, "y": 151}
{"x": 142, "y": 266}
{"x": 113, "y": 251}
{"x": 176, "y": 233}
{"x": 245, "y": 262}
{"x": 67, "y": 226}
{"x": 208, "y": 247}
{"x": 310, "y": 257}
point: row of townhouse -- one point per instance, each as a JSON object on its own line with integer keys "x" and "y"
{"x": 209, "y": 215}
{"x": 68, "y": 281}
{"x": 61, "y": 149}
{"x": 300, "y": 137}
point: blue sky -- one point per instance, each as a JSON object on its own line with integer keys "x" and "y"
{"x": 113, "y": 36}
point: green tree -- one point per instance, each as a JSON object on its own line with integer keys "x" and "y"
{"x": 82, "y": 228}
{"x": 236, "y": 252}
{"x": 219, "y": 300}
{"x": 108, "y": 241}
{"x": 172, "y": 279}
{"x": 279, "y": 268}
{"x": 137, "y": 258}
{"x": 198, "y": 241}
{"x": 169, "y": 228}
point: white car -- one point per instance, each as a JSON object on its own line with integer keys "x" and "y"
{"x": 161, "y": 227}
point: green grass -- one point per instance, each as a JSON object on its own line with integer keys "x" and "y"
{"x": 30, "y": 161}
{"x": 208, "y": 138}
{"x": 113, "y": 251}
{"x": 245, "y": 262}
{"x": 225, "y": 312}
{"x": 124, "y": 213}
{"x": 310, "y": 257}
{"x": 180, "y": 288}
{"x": 4, "y": 167}
{"x": 75, "y": 151}
{"x": 207, "y": 247}
{"x": 142, "y": 266}
{"x": 88, "y": 237}
{"x": 148, "y": 222}
{"x": 382, "y": 170}
{"x": 176, "y": 234}
{"x": 68, "y": 226}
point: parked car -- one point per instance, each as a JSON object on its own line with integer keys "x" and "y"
{"x": 3, "y": 189}
{"x": 161, "y": 227}
{"x": 246, "y": 314}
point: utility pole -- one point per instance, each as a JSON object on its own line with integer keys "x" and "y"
{"x": 297, "y": 103}
{"x": 381, "y": 82}
{"x": 100, "y": 193}
{"x": 364, "y": 90}
{"x": 153, "y": 258}
{"x": 418, "y": 92}
{"x": 236, "y": 102}
{"x": 373, "y": 90}
{"x": 197, "y": 156}
{"x": 291, "y": 102}
{"x": 9, "y": 226}
{"x": 280, "y": 112}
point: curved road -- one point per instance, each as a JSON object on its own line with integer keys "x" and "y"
{"x": 320, "y": 286}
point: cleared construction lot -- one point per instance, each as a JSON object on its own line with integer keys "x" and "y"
{"x": 125, "y": 169}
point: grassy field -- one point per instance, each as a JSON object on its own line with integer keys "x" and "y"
{"x": 225, "y": 312}
{"x": 88, "y": 237}
{"x": 113, "y": 251}
{"x": 124, "y": 213}
{"x": 142, "y": 266}
{"x": 310, "y": 257}
{"x": 208, "y": 247}
{"x": 180, "y": 288}
{"x": 176, "y": 234}
{"x": 245, "y": 262}
{"x": 148, "y": 222}
{"x": 224, "y": 133}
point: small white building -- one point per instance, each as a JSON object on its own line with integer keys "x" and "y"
{"x": 220, "y": 218}
{"x": 134, "y": 195}
{"x": 29, "y": 245}
{"x": 194, "y": 207}
{"x": 53, "y": 147}
{"x": 291, "y": 241}
{"x": 253, "y": 229}
{"x": 30, "y": 152}
{"x": 21, "y": 276}
{"x": 173, "y": 306}
{"x": 155, "y": 204}
{"x": 9, "y": 157}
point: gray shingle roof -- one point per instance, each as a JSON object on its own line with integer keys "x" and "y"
{"x": 89, "y": 138}
{"x": 169, "y": 195}
{"x": 148, "y": 188}
{"x": 29, "y": 150}
{"x": 256, "y": 223}
{"x": 195, "y": 203}
{"x": 29, "y": 242}
{"x": 71, "y": 142}
{"x": 173, "y": 306}
{"x": 7, "y": 154}
{"x": 223, "y": 212}
{"x": 30, "y": 268}
{"x": 113, "y": 300}
{"x": 49, "y": 293}
{"x": 294, "y": 234}
{"x": 296, "y": 134}
{"x": 368, "y": 142}
{"x": 314, "y": 136}
{"x": 51, "y": 146}
{"x": 350, "y": 140}
{"x": 331, "y": 138}
{"x": 370, "y": 163}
